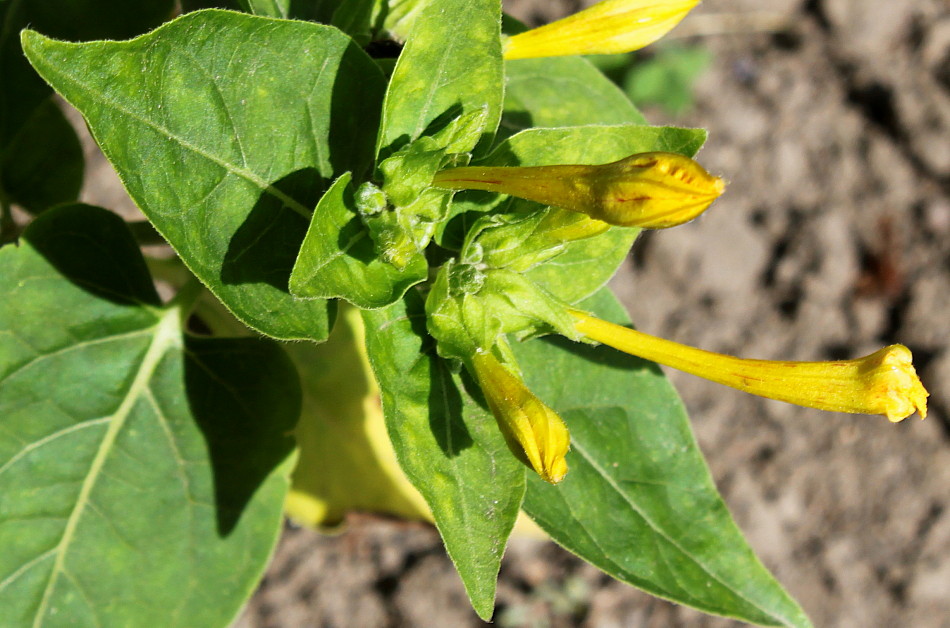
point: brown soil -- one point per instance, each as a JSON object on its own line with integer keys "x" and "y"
{"x": 832, "y": 240}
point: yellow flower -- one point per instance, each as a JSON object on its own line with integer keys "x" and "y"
{"x": 535, "y": 432}
{"x": 651, "y": 190}
{"x": 882, "y": 383}
{"x": 608, "y": 27}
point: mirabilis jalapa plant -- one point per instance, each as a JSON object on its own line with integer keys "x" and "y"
{"x": 470, "y": 199}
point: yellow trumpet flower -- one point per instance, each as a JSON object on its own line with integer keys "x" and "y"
{"x": 535, "y": 433}
{"x": 884, "y": 382}
{"x": 608, "y": 27}
{"x": 651, "y": 190}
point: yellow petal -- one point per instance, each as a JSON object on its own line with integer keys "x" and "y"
{"x": 884, "y": 382}
{"x": 652, "y": 190}
{"x": 535, "y": 432}
{"x": 608, "y": 27}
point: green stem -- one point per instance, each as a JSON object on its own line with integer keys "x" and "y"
{"x": 187, "y": 297}
{"x": 205, "y": 305}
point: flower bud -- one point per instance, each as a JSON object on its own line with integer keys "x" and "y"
{"x": 608, "y": 27}
{"x": 535, "y": 432}
{"x": 884, "y": 382}
{"x": 650, "y": 190}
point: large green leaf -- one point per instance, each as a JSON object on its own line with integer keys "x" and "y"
{"x": 561, "y": 91}
{"x": 638, "y": 501}
{"x": 585, "y": 265}
{"x": 142, "y": 471}
{"x": 224, "y": 128}
{"x": 450, "y": 66}
{"x": 448, "y": 445}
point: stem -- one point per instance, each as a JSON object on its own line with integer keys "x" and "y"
{"x": 187, "y": 297}
{"x": 201, "y": 303}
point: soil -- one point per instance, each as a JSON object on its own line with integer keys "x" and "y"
{"x": 833, "y": 239}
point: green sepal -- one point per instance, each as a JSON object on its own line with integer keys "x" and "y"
{"x": 409, "y": 171}
{"x": 338, "y": 258}
{"x": 413, "y": 208}
{"x": 469, "y": 308}
{"x": 519, "y": 241}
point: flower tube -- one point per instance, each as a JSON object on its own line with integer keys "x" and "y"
{"x": 652, "y": 190}
{"x": 535, "y": 432}
{"x": 608, "y": 27}
{"x": 884, "y": 382}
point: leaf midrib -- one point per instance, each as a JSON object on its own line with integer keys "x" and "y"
{"x": 243, "y": 173}
{"x": 167, "y": 333}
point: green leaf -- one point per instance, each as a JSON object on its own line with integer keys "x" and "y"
{"x": 338, "y": 258}
{"x": 143, "y": 472}
{"x": 224, "y": 128}
{"x": 400, "y": 17}
{"x": 346, "y": 461}
{"x": 448, "y": 444}
{"x": 560, "y": 91}
{"x": 450, "y": 66}
{"x": 356, "y": 17}
{"x": 316, "y": 10}
{"x": 585, "y": 265}
{"x": 638, "y": 501}
{"x": 269, "y": 8}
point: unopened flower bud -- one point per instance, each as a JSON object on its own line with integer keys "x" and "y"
{"x": 535, "y": 432}
{"x": 884, "y": 382}
{"x": 609, "y": 27}
{"x": 651, "y": 190}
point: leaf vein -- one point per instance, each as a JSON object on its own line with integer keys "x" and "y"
{"x": 656, "y": 529}
{"x": 243, "y": 173}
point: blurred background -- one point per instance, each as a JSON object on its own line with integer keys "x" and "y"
{"x": 831, "y": 120}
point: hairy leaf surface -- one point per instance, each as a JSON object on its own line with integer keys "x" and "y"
{"x": 143, "y": 471}
{"x": 450, "y": 66}
{"x": 225, "y": 128}
{"x": 448, "y": 444}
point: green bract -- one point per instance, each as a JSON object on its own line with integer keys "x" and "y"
{"x": 143, "y": 468}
